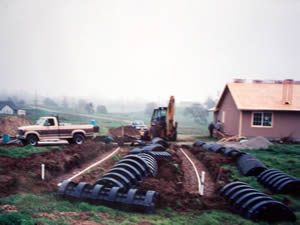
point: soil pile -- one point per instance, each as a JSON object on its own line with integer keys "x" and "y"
{"x": 256, "y": 143}
{"x": 176, "y": 183}
{"x": 176, "y": 186}
{"x": 97, "y": 172}
{"x": 24, "y": 175}
{"x": 124, "y": 131}
{"x": 214, "y": 163}
{"x": 169, "y": 185}
{"x": 10, "y": 124}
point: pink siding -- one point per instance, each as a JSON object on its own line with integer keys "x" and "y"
{"x": 232, "y": 114}
{"x": 284, "y": 124}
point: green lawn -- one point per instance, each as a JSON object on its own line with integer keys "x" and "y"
{"x": 29, "y": 206}
{"x": 282, "y": 157}
{"x": 21, "y": 152}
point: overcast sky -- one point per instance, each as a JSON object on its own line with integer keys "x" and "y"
{"x": 145, "y": 49}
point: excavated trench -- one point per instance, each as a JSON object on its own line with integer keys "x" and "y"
{"x": 175, "y": 183}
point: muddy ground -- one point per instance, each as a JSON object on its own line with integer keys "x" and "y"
{"x": 176, "y": 182}
{"x": 24, "y": 175}
{"x": 123, "y": 130}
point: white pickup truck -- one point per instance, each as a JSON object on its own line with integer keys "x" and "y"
{"x": 49, "y": 129}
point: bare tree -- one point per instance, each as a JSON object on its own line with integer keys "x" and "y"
{"x": 198, "y": 112}
{"x": 65, "y": 103}
{"x": 209, "y": 103}
{"x": 101, "y": 109}
{"x": 49, "y": 102}
{"x": 89, "y": 108}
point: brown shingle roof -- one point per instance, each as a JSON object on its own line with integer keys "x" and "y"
{"x": 262, "y": 96}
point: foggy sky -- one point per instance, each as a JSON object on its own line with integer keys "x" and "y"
{"x": 145, "y": 49}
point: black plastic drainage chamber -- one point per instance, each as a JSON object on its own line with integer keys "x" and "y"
{"x": 255, "y": 205}
{"x": 116, "y": 187}
{"x": 248, "y": 165}
{"x": 131, "y": 199}
{"x": 279, "y": 182}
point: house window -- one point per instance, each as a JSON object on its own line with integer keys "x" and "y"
{"x": 262, "y": 119}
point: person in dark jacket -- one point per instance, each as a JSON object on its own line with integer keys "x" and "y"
{"x": 211, "y": 128}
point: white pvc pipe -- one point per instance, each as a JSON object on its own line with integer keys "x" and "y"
{"x": 43, "y": 171}
{"x": 202, "y": 181}
{"x": 93, "y": 165}
{"x": 202, "y": 177}
{"x": 202, "y": 190}
{"x": 196, "y": 171}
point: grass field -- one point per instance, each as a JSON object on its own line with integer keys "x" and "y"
{"x": 21, "y": 152}
{"x": 186, "y": 124}
{"x": 282, "y": 157}
{"x": 31, "y": 206}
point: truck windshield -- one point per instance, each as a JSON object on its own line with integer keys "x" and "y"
{"x": 40, "y": 121}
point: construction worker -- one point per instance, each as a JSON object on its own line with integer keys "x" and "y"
{"x": 211, "y": 128}
{"x": 219, "y": 126}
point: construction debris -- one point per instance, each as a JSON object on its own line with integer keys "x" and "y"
{"x": 123, "y": 131}
{"x": 241, "y": 142}
{"x": 256, "y": 143}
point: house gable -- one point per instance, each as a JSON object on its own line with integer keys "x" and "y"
{"x": 7, "y": 107}
{"x": 7, "y": 110}
{"x": 227, "y": 113}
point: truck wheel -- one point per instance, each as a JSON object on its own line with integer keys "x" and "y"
{"x": 32, "y": 140}
{"x": 78, "y": 139}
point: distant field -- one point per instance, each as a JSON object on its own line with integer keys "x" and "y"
{"x": 186, "y": 124}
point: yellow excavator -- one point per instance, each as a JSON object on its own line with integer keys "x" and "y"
{"x": 162, "y": 123}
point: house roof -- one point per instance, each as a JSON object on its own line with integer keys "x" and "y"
{"x": 261, "y": 96}
{"x": 9, "y": 103}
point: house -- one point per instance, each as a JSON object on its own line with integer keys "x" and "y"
{"x": 8, "y": 107}
{"x": 260, "y": 108}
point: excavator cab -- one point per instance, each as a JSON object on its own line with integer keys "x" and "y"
{"x": 159, "y": 116}
{"x": 162, "y": 123}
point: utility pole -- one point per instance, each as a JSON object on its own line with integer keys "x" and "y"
{"x": 35, "y": 104}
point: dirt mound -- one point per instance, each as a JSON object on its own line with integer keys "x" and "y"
{"x": 214, "y": 163}
{"x": 24, "y": 175}
{"x": 256, "y": 143}
{"x": 124, "y": 130}
{"x": 169, "y": 185}
{"x": 172, "y": 185}
{"x": 95, "y": 173}
{"x": 10, "y": 124}
{"x": 175, "y": 184}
